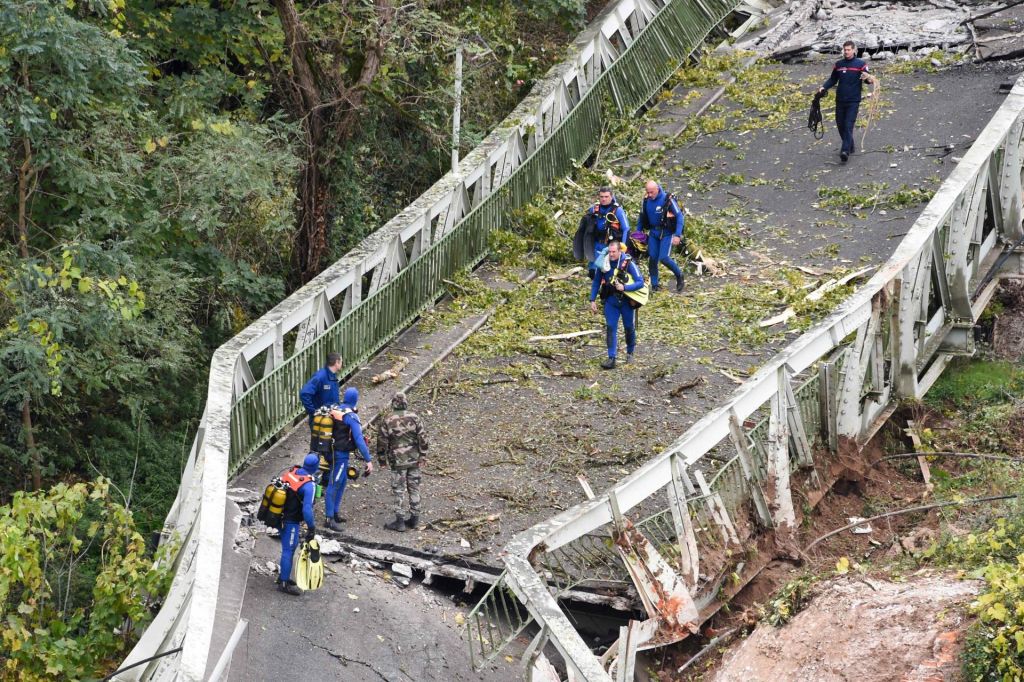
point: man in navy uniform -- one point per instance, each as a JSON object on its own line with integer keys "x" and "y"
{"x": 848, "y": 76}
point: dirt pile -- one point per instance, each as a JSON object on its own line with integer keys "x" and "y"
{"x": 863, "y": 629}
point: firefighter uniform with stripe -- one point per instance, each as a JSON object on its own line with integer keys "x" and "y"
{"x": 848, "y": 76}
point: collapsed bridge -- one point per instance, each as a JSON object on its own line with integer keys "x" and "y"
{"x": 911, "y": 318}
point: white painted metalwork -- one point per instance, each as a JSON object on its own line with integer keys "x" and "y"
{"x": 197, "y": 516}
{"x": 906, "y": 323}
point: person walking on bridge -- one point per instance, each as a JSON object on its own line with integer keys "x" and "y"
{"x": 348, "y": 436}
{"x": 402, "y": 446}
{"x": 602, "y": 222}
{"x": 848, "y": 76}
{"x": 322, "y": 387}
{"x": 300, "y": 488}
{"x": 662, "y": 219}
{"x": 622, "y": 276}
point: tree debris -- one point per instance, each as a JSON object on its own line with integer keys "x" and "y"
{"x": 687, "y": 385}
{"x": 820, "y": 292}
{"x": 565, "y": 275}
{"x": 570, "y": 335}
{"x": 778, "y": 319}
{"x": 392, "y": 373}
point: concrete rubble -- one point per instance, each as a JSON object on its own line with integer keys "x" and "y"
{"x": 902, "y": 30}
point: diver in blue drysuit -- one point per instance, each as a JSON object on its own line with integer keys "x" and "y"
{"x": 300, "y": 488}
{"x": 616, "y": 305}
{"x": 322, "y": 387}
{"x": 348, "y": 436}
{"x": 609, "y": 222}
{"x": 661, "y": 218}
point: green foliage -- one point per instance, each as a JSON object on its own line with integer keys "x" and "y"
{"x": 788, "y": 601}
{"x": 871, "y": 196}
{"x": 73, "y": 572}
{"x": 994, "y": 650}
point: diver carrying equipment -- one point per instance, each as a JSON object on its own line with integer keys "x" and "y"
{"x": 637, "y": 243}
{"x": 272, "y": 505}
{"x": 814, "y": 123}
{"x": 309, "y": 566}
{"x": 352, "y": 472}
{"x": 277, "y": 494}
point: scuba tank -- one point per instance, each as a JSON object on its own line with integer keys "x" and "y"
{"x": 272, "y": 505}
{"x": 322, "y": 439}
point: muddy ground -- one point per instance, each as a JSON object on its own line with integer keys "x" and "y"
{"x": 877, "y": 631}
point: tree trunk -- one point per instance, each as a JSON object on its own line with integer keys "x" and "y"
{"x": 30, "y": 443}
{"x": 24, "y": 175}
{"x": 317, "y": 93}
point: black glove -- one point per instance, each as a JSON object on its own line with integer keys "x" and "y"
{"x": 310, "y": 534}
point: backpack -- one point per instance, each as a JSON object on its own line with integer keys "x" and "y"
{"x": 343, "y": 441}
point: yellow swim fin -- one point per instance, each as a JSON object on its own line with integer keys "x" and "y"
{"x": 314, "y": 565}
{"x": 302, "y": 567}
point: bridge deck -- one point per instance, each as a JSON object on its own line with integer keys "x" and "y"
{"x": 510, "y": 431}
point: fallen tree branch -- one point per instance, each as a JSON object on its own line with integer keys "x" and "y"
{"x": 710, "y": 646}
{"x": 570, "y": 335}
{"x": 778, "y": 319}
{"x": 730, "y": 376}
{"x": 456, "y": 285}
{"x": 966, "y": 455}
{"x": 829, "y": 286}
{"x": 565, "y": 275}
{"x": 392, "y": 373}
{"x": 911, "y": 510}
{"x": 686, "y": 386}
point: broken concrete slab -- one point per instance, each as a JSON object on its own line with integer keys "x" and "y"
{"x": 885, "y": 27}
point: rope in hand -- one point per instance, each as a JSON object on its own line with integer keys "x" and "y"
{"x": 872, "y": 108}
{"x": 814, "y": 123}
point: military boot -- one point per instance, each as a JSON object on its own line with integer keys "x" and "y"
{"x": 397, "y": 525}
{"x": 414, "y": 522}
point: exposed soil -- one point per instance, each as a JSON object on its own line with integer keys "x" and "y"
{"x": 1008, "y": 331}
{"x": 861, "y": 629}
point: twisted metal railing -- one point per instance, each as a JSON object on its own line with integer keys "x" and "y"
{"x": 890, "y": 340}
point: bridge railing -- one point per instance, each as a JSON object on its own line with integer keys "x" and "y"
{"x": 890, "y": 340}
{"x": 363, "y": 300}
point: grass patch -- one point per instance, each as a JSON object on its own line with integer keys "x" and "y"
{"x": 976, "y": 383}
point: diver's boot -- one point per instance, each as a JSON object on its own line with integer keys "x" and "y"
{"x": 609, "y": 363}
{"x": 413, "y": 522}
{"x": 397, "y": 525}
{"x": 288, "y": 587}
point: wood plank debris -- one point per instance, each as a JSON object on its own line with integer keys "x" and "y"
{"x": 569, "y": 335}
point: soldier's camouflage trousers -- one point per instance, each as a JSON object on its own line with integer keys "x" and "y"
{"x": 401, "y": 481}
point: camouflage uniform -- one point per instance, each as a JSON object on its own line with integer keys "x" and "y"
{"x": 402, "y": 443}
